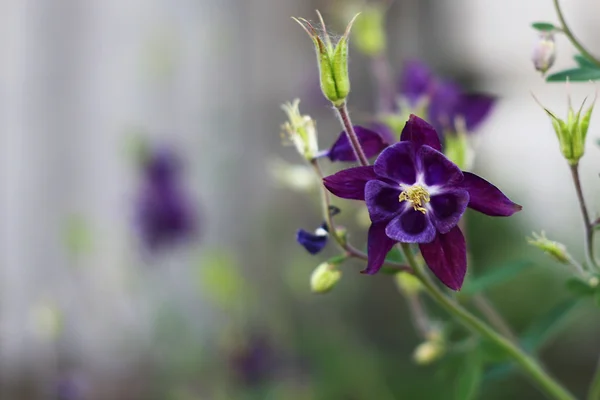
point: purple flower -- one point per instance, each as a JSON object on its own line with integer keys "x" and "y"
{"x": 372, "y": 142}
{"x": 165, "y": 213}
{"x": 315, "y": 242}
{"x": 255, "y": 362}
{"x": 445, "y": 100}
{"x": 414, "y": 194}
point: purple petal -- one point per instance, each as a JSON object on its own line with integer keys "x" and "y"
{"x": 312, "y": 242}
{"x": 438, "y": 169}
{"x": 411, "y": 226}
{"x": 444, "y": 105}
{"x": 415, "y": 80}
{"x": 382, "y": 200}
{"x": 378, "y": 245}
{"x": 474, "y": 108}
{"x": 446, "y": 256}
{"x": 397, "y": 163}
{"x": 447, "y": 209}
{"x": 350, "y": 183}
{"x": 386, "y": 132}
{"x": 487, "y": 198}
{"x": 372, "y": 143}
{"x": 420, "y": 133}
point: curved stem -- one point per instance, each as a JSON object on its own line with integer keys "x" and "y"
{"x": 350, "y": 250}
{"x": 494, "y": 318}
{"x": 552, "y": 388}
{"x": 588, "y": 225}
{"x": 358, "y": 151}
{"x": 594, "y": 393}
{"x": 569, "y": 34}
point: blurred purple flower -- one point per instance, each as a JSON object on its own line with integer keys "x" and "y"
{"x": 165, "y": 214}
{"x": 445, "y": 100}
{"x": 414, "y": 194}
{"x": 70, "y": 387}
{"x": 255, "y": 362}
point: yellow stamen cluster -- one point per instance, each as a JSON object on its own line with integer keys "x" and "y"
{"x": 417, "y": 195}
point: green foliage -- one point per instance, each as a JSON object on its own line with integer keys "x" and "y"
{"x": 544, "y": 26}
{"x": 494, "y": 277}
{"x": 586, "y": 71}
{"x": 394, "y": 255}
{"x": 470, "y": 377}
{"x": 584, "y": 62}
{"x": 220, "y": 279}
{"x": 580, "y": 288}
{"x": 541, "y": 330}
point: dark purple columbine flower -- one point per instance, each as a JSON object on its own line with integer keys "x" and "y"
{"x": 445, "y": 100}
{"x": 165, "y": 214}
{"x": 372, "y": 142}
{"x": 315, "y": 242}
{"x": 414, "y": 194}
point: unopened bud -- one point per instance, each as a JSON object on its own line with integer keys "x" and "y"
{"x": 324, "y": 277}
{"x": 408, "y": 284}
{"x": 572, "y": 132}
{"x": 428, "y": 352}
{"x": 556, "y": 250}
{"x": 332, "y": 60}
{"x": 301, "y": 130}
{"x": 544, "y": 51}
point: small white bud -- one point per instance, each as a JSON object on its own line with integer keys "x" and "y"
{"x": 544, "y": 52}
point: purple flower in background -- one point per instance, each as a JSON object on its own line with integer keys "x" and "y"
{"x": 372, "y": 142}
{"x": 255, "y": 362}
{"x": 414, "y": 194}
{"x": 165, "y": 214}
{"x": 445, "y": 101}
{"x": 70, "y": 387}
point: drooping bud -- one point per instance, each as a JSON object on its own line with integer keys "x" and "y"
{"x": 332, "y": 60}
{"x": 369, "y": 31}
{"x": 325, "y": 277}
{"x": 544, "y": 51}
{"x": 572, "y": 132}
{"x": 301, "y": 130}
{"x": 556, "y": 250}
{"x": 431, "y": 350}
{"x": 408, "y": 284}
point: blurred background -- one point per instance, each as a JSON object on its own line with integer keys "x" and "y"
{"x": 105, "y": 103}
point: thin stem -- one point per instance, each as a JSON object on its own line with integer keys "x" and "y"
{"x": 552, "y": 388}
{"x": 419, "y": 315}
{"x": 569, "y": 34}
{"x": 594, "y": 393}
{"x": 589, "y": 228}
{"x": 350, "y": 250}
{"x": 347, "y": 123}
{"x": 495, "y": 319}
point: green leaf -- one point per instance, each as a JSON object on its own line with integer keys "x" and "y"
{"x": 579, "y": 287}
{"x": 469, "y": 379}
{"x": 492, "y": 353}
{"x": 544, "y": 26}
{"x": 584, "y": 62}
{"x": 540, "y": 331}
{"x": 495, "y": 277}
{"x": 575, "y": 75}
{"x": 394, "y": 255}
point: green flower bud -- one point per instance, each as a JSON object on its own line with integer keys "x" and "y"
{"x": 431, "y": 350}
{"x": 556, "y": 250}
{"x": 369, "y": 31}
{"x": 332, "y": 60}
{"x": 301, "y": 130}
{"x": 408, "y": 284}
{"x": 572, "y": 133}
{"x": 324, "y": 277}
{"x": 544, "y": 52}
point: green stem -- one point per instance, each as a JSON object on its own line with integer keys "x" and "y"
{"x": 594, "y": 393}
{"x": 552, "y": 388}
{"x": 588, "y": 225}
{"x": 569, "y": 34}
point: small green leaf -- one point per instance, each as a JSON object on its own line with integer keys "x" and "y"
{"x": 394, "y": 255}
{"x": 495, "y": 277}
{"x": 468, "y": 381}
{"x": 575, "y": 75}
{"x": 540, "y": 331}
{"x": 584, "y": 62}
{"x": 579, "y": 287}
{"x": 544, "y": 26}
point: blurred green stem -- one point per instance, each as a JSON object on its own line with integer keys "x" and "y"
{"x": 552, "y": 388}
{"x": 350, "y": 250}
{"x": 594, "y": 393}
{"x": 588, "y": 224}
{"x": 569, "y": 34}
{"x": 347, "y": 123}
